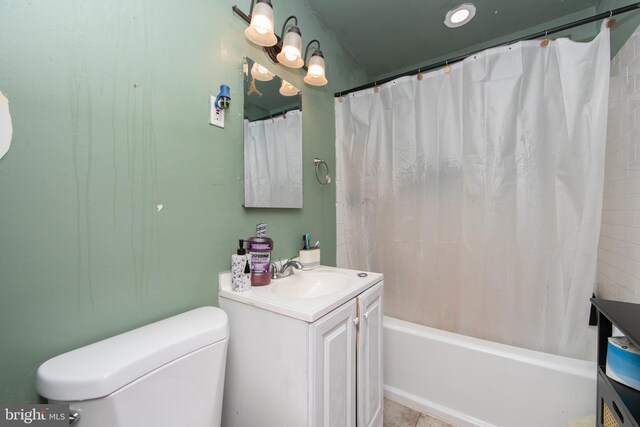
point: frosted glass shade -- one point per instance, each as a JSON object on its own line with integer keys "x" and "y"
{"x": 287, "y": 89}
{"x": 260, "y": 30}
{"x": 315, "y": 72}
{"x": 291, "y": 53}
{"x": 259, "y": 72}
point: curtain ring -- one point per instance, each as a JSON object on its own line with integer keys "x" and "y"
{"x": 327, "y": 178}
{"x": 447, "y": 67}
{"x": 419, "y": 74}
{"x": 611, "y": 21}
{"x": 376, "y": 89}
{"x": 545, "y": 41}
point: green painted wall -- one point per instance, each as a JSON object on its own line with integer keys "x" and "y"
{"x": 109, "y": 102}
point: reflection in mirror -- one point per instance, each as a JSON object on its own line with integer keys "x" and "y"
{"x": 272, "y": 140}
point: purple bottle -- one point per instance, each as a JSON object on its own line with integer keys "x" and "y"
{"x": 260, "y": 248}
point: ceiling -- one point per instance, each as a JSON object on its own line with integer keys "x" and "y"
{"x": 388, "y": 36}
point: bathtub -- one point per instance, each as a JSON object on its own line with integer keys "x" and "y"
{"x": 471, "y": 382}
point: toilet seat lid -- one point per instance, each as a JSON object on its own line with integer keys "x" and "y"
{"x": 100, "y": 369}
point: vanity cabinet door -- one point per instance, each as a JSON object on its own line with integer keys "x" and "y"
{"x": 333, "y": 368}
{"x": 370, "y": 397}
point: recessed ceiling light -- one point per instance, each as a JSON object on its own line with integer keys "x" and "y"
{"x": 460, "y": 15}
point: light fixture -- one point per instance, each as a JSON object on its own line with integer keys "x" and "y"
{"x": 291, "y": 53}
{"x": 260, "y": 30}
{"x": 287, "y": 89}
{"x": 259, "y": 72}
{"x": 316, "y": 68}
{"x": 286, "y": 49}
{"x": 460, "y": 15}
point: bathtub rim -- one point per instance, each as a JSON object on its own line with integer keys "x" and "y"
{"x": 583, "y": 368}
{"x": 580, "y": 369}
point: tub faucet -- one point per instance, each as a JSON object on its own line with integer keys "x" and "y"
{"x": 286, "y": 270}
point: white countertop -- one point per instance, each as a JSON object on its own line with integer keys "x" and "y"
{"x": 307, "y": 309}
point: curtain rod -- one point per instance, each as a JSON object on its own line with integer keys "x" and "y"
{"x": 275, "y": 115}
{"x": 453, "y": 60}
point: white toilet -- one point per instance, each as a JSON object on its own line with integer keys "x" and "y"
{"x": 166, "y": 374}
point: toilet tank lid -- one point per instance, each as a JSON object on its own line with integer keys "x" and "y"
{"x": 99, "y": 369}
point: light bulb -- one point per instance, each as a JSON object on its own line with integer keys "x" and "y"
{"x": 459, "y": 16}
{"x": 291, "y": 56}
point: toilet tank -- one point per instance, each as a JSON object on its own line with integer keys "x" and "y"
{"x": 168, "y": 373}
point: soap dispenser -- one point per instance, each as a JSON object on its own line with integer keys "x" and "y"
{"x": 260, "y": 248}
{"x": 239, "y": 261}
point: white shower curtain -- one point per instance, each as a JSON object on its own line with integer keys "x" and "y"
{"x": 478, "y": 193}
{"x": 273, "y": 161}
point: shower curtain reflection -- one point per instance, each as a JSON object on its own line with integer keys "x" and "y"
{"x": 273, "y": 161}
{"x": 478, "y": 192}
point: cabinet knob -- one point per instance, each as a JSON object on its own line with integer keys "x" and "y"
{"x": 366, "y": 314}
{"x": 356, "y": 321}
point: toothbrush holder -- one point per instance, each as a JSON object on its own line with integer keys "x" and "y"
{"x": 309, "y": 258}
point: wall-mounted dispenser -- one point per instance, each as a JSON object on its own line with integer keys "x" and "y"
{"x": 218, "y": 105}
{"x": 223, "y": 100}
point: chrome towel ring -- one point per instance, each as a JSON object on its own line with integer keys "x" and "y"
{"x": 326, "y": 179}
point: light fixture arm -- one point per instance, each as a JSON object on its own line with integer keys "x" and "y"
{"x": 284, "y": 26}
{"x": 306, "y": 51}
{"x": 253, "y": 2}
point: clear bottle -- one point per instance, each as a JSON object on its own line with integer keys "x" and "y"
{"x": 260, "y": 248}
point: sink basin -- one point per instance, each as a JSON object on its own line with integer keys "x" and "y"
{"x": 307, "y": 294}
{"x": 309, "y": 284}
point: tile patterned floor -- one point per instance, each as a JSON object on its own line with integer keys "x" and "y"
{"x": 396, "y": 415}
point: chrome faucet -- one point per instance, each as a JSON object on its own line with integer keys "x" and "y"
{"x": 286, "y": 270}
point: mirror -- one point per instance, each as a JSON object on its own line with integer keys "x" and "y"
{"x": 272, "y": 140}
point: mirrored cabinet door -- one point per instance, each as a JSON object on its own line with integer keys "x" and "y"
{"x": 272, "y": 140}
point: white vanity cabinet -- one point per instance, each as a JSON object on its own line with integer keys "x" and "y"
{"x": 283, "y": 371}
{"x": 333, "y": 365}
{"x": 369, "y": 358}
